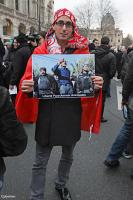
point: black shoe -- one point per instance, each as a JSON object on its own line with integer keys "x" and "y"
{"x": 112, "y": 164}
{"x": 64, "y": 193}
{"x": 103, "y": 120}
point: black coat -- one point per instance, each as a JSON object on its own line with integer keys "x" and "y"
{"x": 125, "y": 62}
{"x": 127, "y": 90}
{"x": 105, "y": 64}
{"x": 11, "y": 130}
{"x": 53, "y": 117}
{"x": 19, "y": 65}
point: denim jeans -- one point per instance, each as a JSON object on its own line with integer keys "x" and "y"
{"x": 122, "y": 139}
{"x": 39, "y": 169}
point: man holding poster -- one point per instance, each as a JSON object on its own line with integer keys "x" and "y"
{"x": 58, "y": 120}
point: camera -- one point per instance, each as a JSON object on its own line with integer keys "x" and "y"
{"x": 33, "y": 37}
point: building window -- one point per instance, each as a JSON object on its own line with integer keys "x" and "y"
{"x": 2, "y": 1}
{"x": 16, "y": 5}
{"x": 7, "y": 27}
{"x": 118, "y": 40}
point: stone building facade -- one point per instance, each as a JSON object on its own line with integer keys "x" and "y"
{"x": 27, "y": 16}
{"x": 108, "y": 29}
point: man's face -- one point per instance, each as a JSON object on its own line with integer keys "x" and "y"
{"x": 85, "y": 68}
{"x": 96, "y": 43}
{"x": 63, "y": 28}
{"x": 42, "y": 72}
{"x": 63, "y": 64}
{"x": 15, "y": 44}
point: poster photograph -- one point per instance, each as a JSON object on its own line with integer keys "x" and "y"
{"x": 63, "y": 75}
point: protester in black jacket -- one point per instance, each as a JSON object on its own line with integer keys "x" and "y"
{"x": 21, "y": 57}
{"x": 13, "y": 139}
{"x": 105, "y": 66}
{"x": 126, "y": 132}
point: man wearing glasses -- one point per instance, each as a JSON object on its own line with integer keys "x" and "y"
{"x": 58, "y": 120}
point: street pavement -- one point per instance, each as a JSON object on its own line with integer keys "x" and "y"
{"x": 89, "y": 178}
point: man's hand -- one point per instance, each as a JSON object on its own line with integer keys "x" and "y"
{"x": 27, "y": 86}
{"x": 61, "y": 61}
{"x": 98, "y": 82}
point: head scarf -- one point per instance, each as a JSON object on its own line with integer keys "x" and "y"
{"x": 77, "y": 41}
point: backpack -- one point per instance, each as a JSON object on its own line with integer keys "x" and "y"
{"x": 13, "y": 138}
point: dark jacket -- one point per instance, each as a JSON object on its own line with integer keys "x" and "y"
{"x": 11, "y": 129}
{"x": 53, "y": 118}
{"x": 105, "y": 64}
{"x": 19, "y": 65}
{"x": 125, "y": 61}
{"x": 127, "y": 90}
{"x": 119, "y": 58}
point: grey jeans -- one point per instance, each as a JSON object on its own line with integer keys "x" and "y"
{"x": 39, "y": 169}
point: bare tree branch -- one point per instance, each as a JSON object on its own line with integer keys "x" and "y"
{"x": 85, "y": 15}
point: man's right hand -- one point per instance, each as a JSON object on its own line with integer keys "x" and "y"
{"x": 61, "y": 61}
{"x": 27, "y": 86}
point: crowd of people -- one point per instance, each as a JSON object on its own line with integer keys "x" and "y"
{"x": 64, "y": 130}
{"x": 122, "y": 61}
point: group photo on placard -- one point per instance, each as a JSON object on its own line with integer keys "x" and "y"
{"x": 57, "y": 76}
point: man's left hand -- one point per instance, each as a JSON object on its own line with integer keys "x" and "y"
{"x": 98, "y": 82}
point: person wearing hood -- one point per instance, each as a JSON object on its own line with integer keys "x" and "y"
{"x": 58, "y": 120}
{"x": 105, "y": 62}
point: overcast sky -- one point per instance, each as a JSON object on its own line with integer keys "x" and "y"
{"x": 124, "y": 7}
